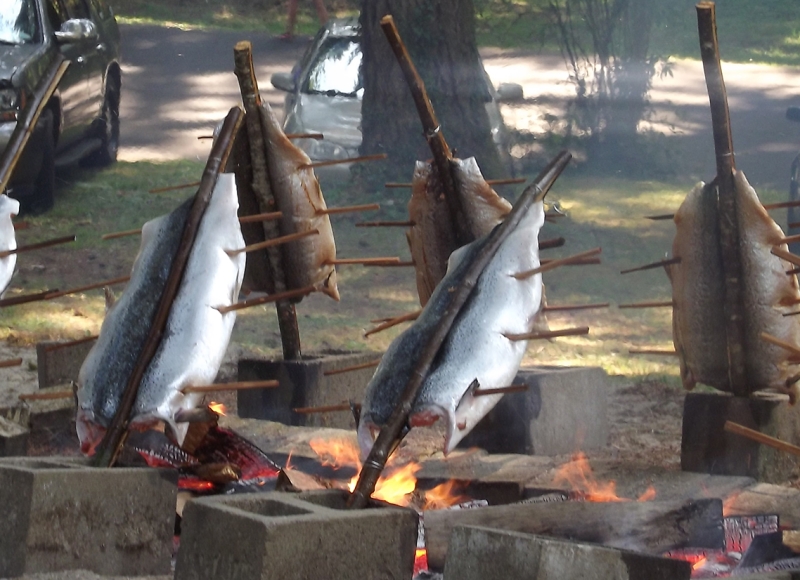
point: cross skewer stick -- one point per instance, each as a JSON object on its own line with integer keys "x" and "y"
{"x": 60, "y": 345}
{"x": 15, "y": 300}
{"x": 39, "y": 245}
{"x": 569, "y": 307}
{"x": 174, "y": 187}
{"x": 349, "y": 209}
{"x": 508, "y": 181}
{"x": 366, "y": 365}
{"x": 288, "y": 295}
{"x": 537, "y": 335}
{"x": 246, "y": 219}
{"x": 738, "y": 429}
{"x": 237, "y": 386}
{"x": 794, "y": 349}
{"x": 103, "y": 284}
{"x": 661, "y": 304}
{"x": 553, "y": 264}
{"x": 53, "y": 395}
{"x": 653, "y": 351}
{"x": 325, "y": 409}
{"x": 363, "y": 261}
{"x": 783, "y": 254}
{"x": 659, "y": 264}
{"x": 394, "y": 322}
{"x": 360, "y": 159}
{"x": 14, "y": 362}
{"x": 500, "y": 390}
{"x": 273, "y": 242}
{"x": 386, "y": 224}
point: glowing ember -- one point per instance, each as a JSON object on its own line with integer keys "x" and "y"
{"x": 648, "y": 495}
{"x": 218, "y": 408}
{"x": 578, "y": 475}
{"x": 420, "y": 561}
{"x": 699, "y": 564}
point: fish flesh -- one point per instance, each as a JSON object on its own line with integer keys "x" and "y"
{"x": 430, "y": 240}
{"x": 9, "y": 207}
{"x": 698, "y": 319}
{"x": 476, "y": 352}
{"x": 308, "y": 261}
{"x": 196, "y": 335}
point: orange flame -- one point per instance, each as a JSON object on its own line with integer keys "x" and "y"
{"x": 648, "y": 495}
{"x": 444, "y": 495}
{"x": 578, "y": 475}
{"x": 699, "y": 564}
{"x": 218, "y": 408}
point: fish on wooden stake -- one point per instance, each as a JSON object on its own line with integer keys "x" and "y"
{"x": 9, "y": 207}
{"x": 698, "y": 318}
{"x": 476, "y": 353}
{"x": 196, "y": 335}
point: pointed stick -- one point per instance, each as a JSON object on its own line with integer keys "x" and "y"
{"x": 260, "y": 217}
{"x": 115, "y": 235}
{"x": 238, "y": 386}
{"x": 26, "y": 298}
{"x": 392, "y": 264}
{"x": 363, "y": 261}
{"x": 14, "y": 362}
{"x": 349, "y": 209}
{"x": 315, "y": 165}
{"x": 576, "y": 262}
{"x": 783, "y": 254}
{"x": 667, "y": 262}
{"x": 794, "y": 349}
{"x": 385, "y": 224}
{"x": 325, "y": 409}
{"x": 790, "y": 239}
{"x": 174, "y": 187}
{"x": 366, "y": 365}
{"x": 552, "y": 243}
{"x": 663, "y": 216}
{"x": 553, "y": 264}
{"x": 316, "y": 136}
{"x": 46, "y": 396}
{"x": 569, "y": 307}
{"x": 288, "y": 295}
{"x": 793, "y": 225}
{"x": 761, "y": 438}
{"x": 500, "y": 390}
{"x": 102, "y": 284}
{"x": 579, "y": 331}
{"x": 664, "y": 304}
{"x": 654, "y": 351}
{"x": 394, "y": 322}
{"x": 60, "y": 345}
{"x": 273, "y": 242}
{"x": 39, "y": 245}
{"x": 781, "y": 205}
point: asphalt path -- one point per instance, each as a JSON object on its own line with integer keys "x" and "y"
{"x": 178, "y": 85}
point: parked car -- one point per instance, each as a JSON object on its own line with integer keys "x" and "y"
{"x": 325, "y": 88}
{"x": 81, "y": 120}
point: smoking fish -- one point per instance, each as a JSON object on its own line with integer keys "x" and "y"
{"x": 196, "y": 335}
{"x": 433, "y": 236}
{"x": 476, "y": 352}
{"x": 698, "y": 320}
{"x": 9, "y": 207}
{"x": 308, "y": 261}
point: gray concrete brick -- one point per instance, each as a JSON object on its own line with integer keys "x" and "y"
{"x": 59, "y": 514}
{"x": 564, "y": 409}
{"x": 477, "y": 553}
{"x": 13, "y": 438}
{"x": 58, "y": 364}
{"x": 281, "y": 536}
{"x": 303, "y": 383}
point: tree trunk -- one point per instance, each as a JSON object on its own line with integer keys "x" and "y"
{"x": 440, "y": 37}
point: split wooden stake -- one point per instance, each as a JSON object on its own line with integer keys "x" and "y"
{"x": 349, "y": 209}
{"x": 238, "y": 386}
{"x": 794, "y": 349}
{"x": 60, "y": 345}
{"x": 662, "y": 304}
{"x": 102, "y": 284}
{"x": 553, "y": 264}
{"x": 386, "y": 224}
{"x": 500, "y": 390}
{"x": 576, "y": 262}
{"x": 46, "y": 396}
{"x": 659, "y": 264}
{"x": 549, "y": 334}
{"x": 738, "y": 429}
{"x": 569, "y": 307}
{"x": 273, "y": 242}
{"x": 39, "y": 245}
{"x": 14, "y": 362}
{"x": 362, "y": 158}
{"x": 394, "y": 322}
{"x": 653, "y": 351}
{"x": 174, "y": 187}
{"x": 288, "y": 295}
{"x": 366, "y": 365}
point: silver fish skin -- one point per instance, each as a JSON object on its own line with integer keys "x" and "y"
{"x": 196, "y": 336}
{"x": 476, "y": 347}
{"x": 9, "y": 207}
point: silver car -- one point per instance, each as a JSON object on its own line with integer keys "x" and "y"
{"x": 324, "y": 92}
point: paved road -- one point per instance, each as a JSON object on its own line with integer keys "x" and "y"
{"x": 179, "y": 84}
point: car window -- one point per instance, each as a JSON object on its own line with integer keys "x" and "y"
{"x": 336, "y": 69}
{"x": 76, "y": 8}
{"x": 19, "y": 23}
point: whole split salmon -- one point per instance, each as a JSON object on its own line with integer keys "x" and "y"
{"x": 9, "y": 207}
{"x": 196, "y": 335}
{"x": 477, "y": 353}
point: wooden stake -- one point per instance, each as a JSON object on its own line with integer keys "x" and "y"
{"x": 315, "y": 136}
{"x": 261, "y": 217}
{"x": 288, "y": 295}
{"x": 349, "y": 209}
{"x": 499, "y": 390}
{"x": 783, "y": 254}
{"x": 273, "y": 242}
{"x": 667, "y": 262}
{"x": 553, "y": 264}
{"x": 394, "y": 322}
{"x": 781, "y": 205}
{"x": 552, "y": 243}
{"x": 738, "y": 429}
{"x": 363, "y": 261}
{"x": 663, "y": 304}
{"x": 115, "y": 235}
{"x": 325, "y": 409}
{"x": 408, "y": 224}
{"x": 39, "y": 245}
{"x": 794, "y": 349}
{"x": 60, "y": 345}
{"x": 366, "y": 365}
{"x": 46, "y": 396}
{"x": 790, "y": 239}
{"x": 21, "y": 226}
{"x": 174, "y": 187}
{"x": 330, "y": 162}
{"x": 102, "y": 284}
{"x": 549, "y": 334}
{"x": 238, "y": 386}
{"x": 569, "y": 307}
{"x": 14, "y": 362}
{"x": 26, "y": 298}
{"x": 653, "y": 351}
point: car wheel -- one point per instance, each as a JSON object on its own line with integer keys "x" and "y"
{"x": 109, "y": 126}
{"x": 43, "y": 195}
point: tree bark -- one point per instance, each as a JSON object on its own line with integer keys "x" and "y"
{"x": 440, "y": 37}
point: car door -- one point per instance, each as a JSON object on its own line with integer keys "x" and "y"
{"x": 101, "y": 52}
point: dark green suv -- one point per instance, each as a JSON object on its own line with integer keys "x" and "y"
{"x": 81, "y": 120}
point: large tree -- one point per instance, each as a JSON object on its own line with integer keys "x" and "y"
{"x": 440, "y": 37}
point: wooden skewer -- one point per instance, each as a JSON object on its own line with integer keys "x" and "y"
{"x": 576, "y": 262}
{"x": 781, "y": 205}
{"x": 325, "y": 409}
{"x": 568, "y": 307}
{"x": 349, "y": 209}
{"x": 316, "y": 136}
{"x": 655, "y": 351}
{"x": 201, "y": 137}
{"x": 21, "y": 226}
{"x": 273, "y": 242}
{"x": 39, "y": 245}
{"x": 14, "y": 362}
{"x": 663, "y": 304}
{"x": 317, "y": 164}
{"x": 793, "y": 225}
{"x": 552, "y": 243}
{"x": 392, "y": 264}
{"x": 60, "y": 345}
{"x": 509, "y": 181}
{"x": 549, "y": 334}
{"x": 553, "y": 264}
{"x": 667, "y": 262}
{"x": 115, "y": 235}
{"x": 238, "y": 386}
{"x": 261, "y": 217}
{"x": 102, "y": 284}
{"x": 500, "y": 390}
{"x": 790, "y": 239}
{"x": 783, "y": 254}
{"x": 363, "y": 261}
{"x": 793, "y": 271}
{"x": 26, "y": 298}
{"x": 781, "y": 343}
{"x": 408, "y": 224}
{"x": 394, "y": 322}
{"x": 738, "y": 429}
{"x": 288, "y": 295}
{"x": 174, "y": 187}
{"x": 366, "y": 365}
{"x": 46, "y": 396}
{"x": 663, "y": 216}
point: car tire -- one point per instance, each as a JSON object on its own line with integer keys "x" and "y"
{"x": 42, "y": 197}
{"x": 109, "y": 126}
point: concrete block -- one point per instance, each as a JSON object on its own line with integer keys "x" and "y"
{"x": 13, "y": 438}
{"x": 707, "y": 448}
{"x": 59, "y": 514}
{"x": 477, "y": 553}
{"x": 563, "y": 410}
{"x": 60, "y": 362}
{"x": 282, "y": 536}
{"x": 304, "y": 383}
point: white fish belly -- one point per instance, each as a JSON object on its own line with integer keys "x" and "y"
{"x": 9, "y": 207}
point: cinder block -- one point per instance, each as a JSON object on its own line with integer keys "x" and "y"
{"x": 706, "y": 447}
{"x": 563, "y": 410}
{"x": 304, "y": 383}
{"x": 281, "y": 536}
{"x": 13, "y": 438}
{"x": 477, "y": 553}
{"x": 59, "y": 362}
{"x": 62, "y": 515}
